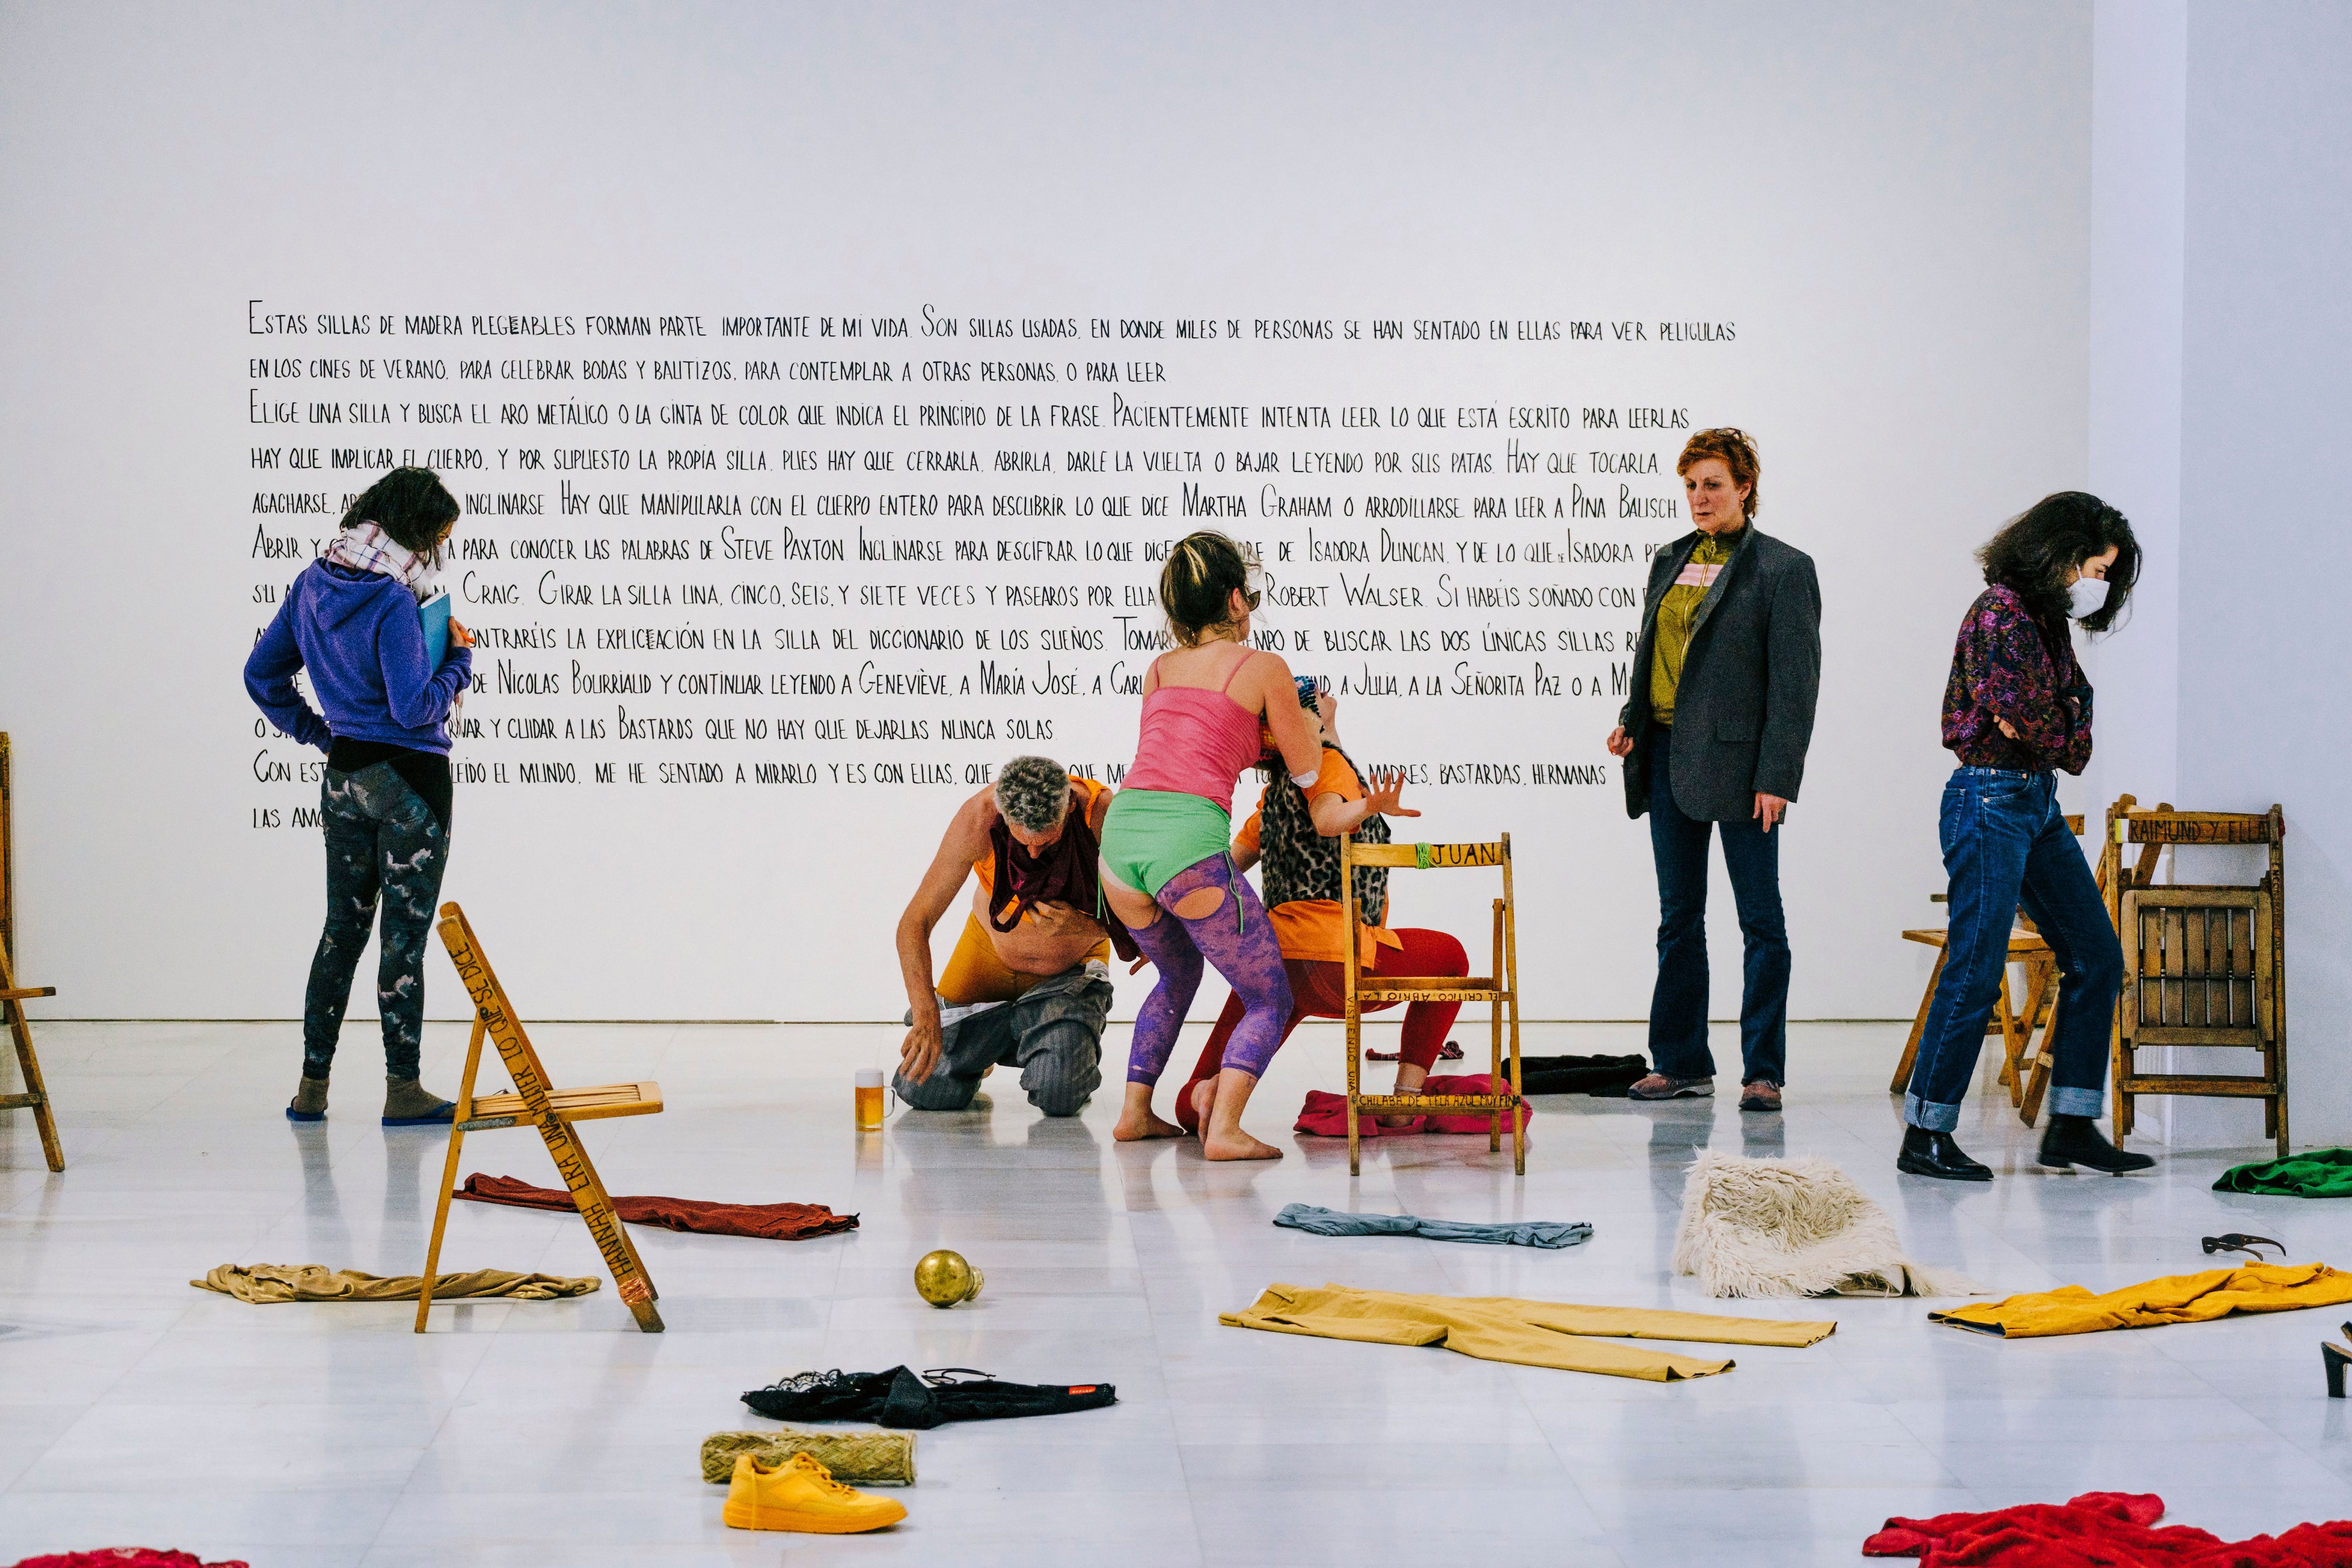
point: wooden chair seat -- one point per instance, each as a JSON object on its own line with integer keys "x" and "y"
{"x": 640, "y": 1099}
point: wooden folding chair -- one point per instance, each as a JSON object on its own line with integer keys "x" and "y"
{"x": 1498, "y": 989}
{"x": 534, "y": 1104}
{"x": 2203, "y": 964}
{"x": 13, "y": 997}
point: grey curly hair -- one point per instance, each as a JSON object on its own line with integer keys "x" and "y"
{"x": 1034, "y": 794}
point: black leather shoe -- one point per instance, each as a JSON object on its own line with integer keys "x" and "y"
{"x": 2071, "y": 1141}
{"x": 1926, "y": 1153}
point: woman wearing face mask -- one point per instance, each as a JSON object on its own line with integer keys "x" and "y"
{"x": 2016, "y": 710}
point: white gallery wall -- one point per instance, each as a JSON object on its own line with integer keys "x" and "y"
{"x": 1862, "y": 233}
{"x": 2219, "y": 383}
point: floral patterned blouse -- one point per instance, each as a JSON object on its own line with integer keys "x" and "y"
{"x": 2004, "y": 666}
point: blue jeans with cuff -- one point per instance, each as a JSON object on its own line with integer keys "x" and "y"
{"x": 2006, "y": 844}
{"x": 1678, "y": 1004}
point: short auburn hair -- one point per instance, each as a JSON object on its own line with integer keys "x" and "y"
{"x": 1736, "y": 450}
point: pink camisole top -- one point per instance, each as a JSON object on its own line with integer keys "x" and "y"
{"x": 1195, "y": 741}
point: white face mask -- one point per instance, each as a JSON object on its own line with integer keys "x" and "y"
{"x": 2087, "y": 597}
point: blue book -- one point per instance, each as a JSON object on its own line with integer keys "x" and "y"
{"x": 435, "y": 613}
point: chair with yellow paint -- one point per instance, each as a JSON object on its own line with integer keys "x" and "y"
{"x": 1499, "y": 989}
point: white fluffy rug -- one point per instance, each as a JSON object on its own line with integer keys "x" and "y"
{"x": 1794, "y": 1227}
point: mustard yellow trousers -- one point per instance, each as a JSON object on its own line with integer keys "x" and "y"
{"x": 2176, "y": 1298}
{"x": 1528, "y": 1333}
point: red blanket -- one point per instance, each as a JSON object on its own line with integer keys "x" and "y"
{"x": 770, "y": 1222}
{"x": 124, "y": 1557}
{"x": 1324, "y": 1114}
{"x": 2099, "y": 1530}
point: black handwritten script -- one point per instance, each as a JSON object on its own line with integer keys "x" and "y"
{"x": 812, "y": 551}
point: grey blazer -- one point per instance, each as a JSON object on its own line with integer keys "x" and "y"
{"x": 1744, "y": 707}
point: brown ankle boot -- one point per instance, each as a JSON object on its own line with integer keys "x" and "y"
{"x": 310, "y": 1100}
{"x": 408, "y": 1103}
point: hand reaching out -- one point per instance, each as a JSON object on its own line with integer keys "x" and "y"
{"x": 1387, "y": 789}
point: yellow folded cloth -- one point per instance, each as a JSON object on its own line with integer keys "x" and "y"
{"x": 2176, "y": 1298}
{"x": 1507, "y": 1329}
{"x": 262, "y": 1283}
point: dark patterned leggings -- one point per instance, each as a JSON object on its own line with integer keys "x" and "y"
{"x": 382, "y": 840}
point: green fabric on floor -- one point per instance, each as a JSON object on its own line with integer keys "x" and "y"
{"x": 2321, "y": 1173}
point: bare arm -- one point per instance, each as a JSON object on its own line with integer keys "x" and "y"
{"x": 965, "y": 841}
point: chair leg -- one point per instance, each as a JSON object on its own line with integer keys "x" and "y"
{"x": 20, "y": 1027}
{"x": 1902, "y": 1078}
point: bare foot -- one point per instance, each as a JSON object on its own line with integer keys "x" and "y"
{"x": 1136, "y": 1121}
{"x": 1404, "y": 1118}
{"x": 1236, "y": 1144}
{"x": 1134, "y": 1129}
{"x": 1205, "y": 1102}
{"x": 1221, "y": 1137}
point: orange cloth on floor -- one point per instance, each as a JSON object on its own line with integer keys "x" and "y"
{"x": 1528, "y": 1333}
{"x": 1309, "y": 928}
{"x": 2176, "y": 1299}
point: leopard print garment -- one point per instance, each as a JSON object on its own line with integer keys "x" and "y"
{"x": 1297, "y": 863}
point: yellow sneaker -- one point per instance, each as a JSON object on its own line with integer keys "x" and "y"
{"x": 801, "y": 1494}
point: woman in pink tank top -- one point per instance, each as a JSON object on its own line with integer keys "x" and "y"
{"x": 1165, "y": 869}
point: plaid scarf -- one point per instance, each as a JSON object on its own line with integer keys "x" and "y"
{"x": 364, "y": 547}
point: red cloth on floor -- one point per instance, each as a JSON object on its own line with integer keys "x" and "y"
{"x": 768, "y": 1222}
{"x": 2099, "y": 1530}
{"x": 1324, "y": 1114}
{"x": 124, "y": 1557}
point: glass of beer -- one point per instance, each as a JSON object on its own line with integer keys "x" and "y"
{"x": 869, "y": 1098}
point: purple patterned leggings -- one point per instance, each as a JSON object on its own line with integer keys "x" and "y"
{"x": 1244, "y": 951}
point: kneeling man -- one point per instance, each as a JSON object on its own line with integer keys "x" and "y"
{"x": 1029, "y": 983}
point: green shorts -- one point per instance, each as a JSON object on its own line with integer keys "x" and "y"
{"x": 1151, "y": 834}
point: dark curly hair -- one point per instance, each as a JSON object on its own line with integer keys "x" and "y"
{"x": 412, "y": 505}
{"x": 1197, "y": 584}
{"x": 1736, "y": 450}
{"x": 2035, "y": 550}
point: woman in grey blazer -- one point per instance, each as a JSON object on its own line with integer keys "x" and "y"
{"x": 1715, "y": 732}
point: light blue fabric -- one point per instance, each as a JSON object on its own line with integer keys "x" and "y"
{"x": 1526, "y": 1233}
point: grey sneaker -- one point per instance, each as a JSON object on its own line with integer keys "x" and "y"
{"x": 1658, "y": 1086}
{"x": 1760, "y": 1094}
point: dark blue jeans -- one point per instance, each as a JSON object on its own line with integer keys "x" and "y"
{"x": 383, "y": 844}
{"x": 1678, "y": 1006}
{"x": 2006, "y": 844}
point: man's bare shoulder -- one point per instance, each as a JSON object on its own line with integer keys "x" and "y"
{"x": 967, "y": 830}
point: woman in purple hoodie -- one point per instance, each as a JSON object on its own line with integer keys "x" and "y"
{"x": 353, "y": 620}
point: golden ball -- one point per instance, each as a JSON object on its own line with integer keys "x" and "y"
{"x": 943, "y": 1279}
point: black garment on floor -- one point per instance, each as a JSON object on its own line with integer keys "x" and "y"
{"x": 900, "y": 1399}
{"x": 1605, "y": 1077}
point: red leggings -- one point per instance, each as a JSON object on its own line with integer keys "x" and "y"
{"x": 1319, "y": 990}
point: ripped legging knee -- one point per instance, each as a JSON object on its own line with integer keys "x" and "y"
{"x": 1242, "y": 947}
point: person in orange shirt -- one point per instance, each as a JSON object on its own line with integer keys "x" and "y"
{"x": 1028, "y": 983}
{"x": 1294, "y": 838}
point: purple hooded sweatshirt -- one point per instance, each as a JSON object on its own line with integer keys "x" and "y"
{"x": 359, "y": 635}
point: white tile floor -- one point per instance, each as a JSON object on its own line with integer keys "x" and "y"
{"x": 135, "y": 1410}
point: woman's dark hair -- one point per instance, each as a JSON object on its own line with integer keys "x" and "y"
{"x": 412, "y": 505}
{"x": 2035, "y": 550}
{"x": 1196, "y": 587}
